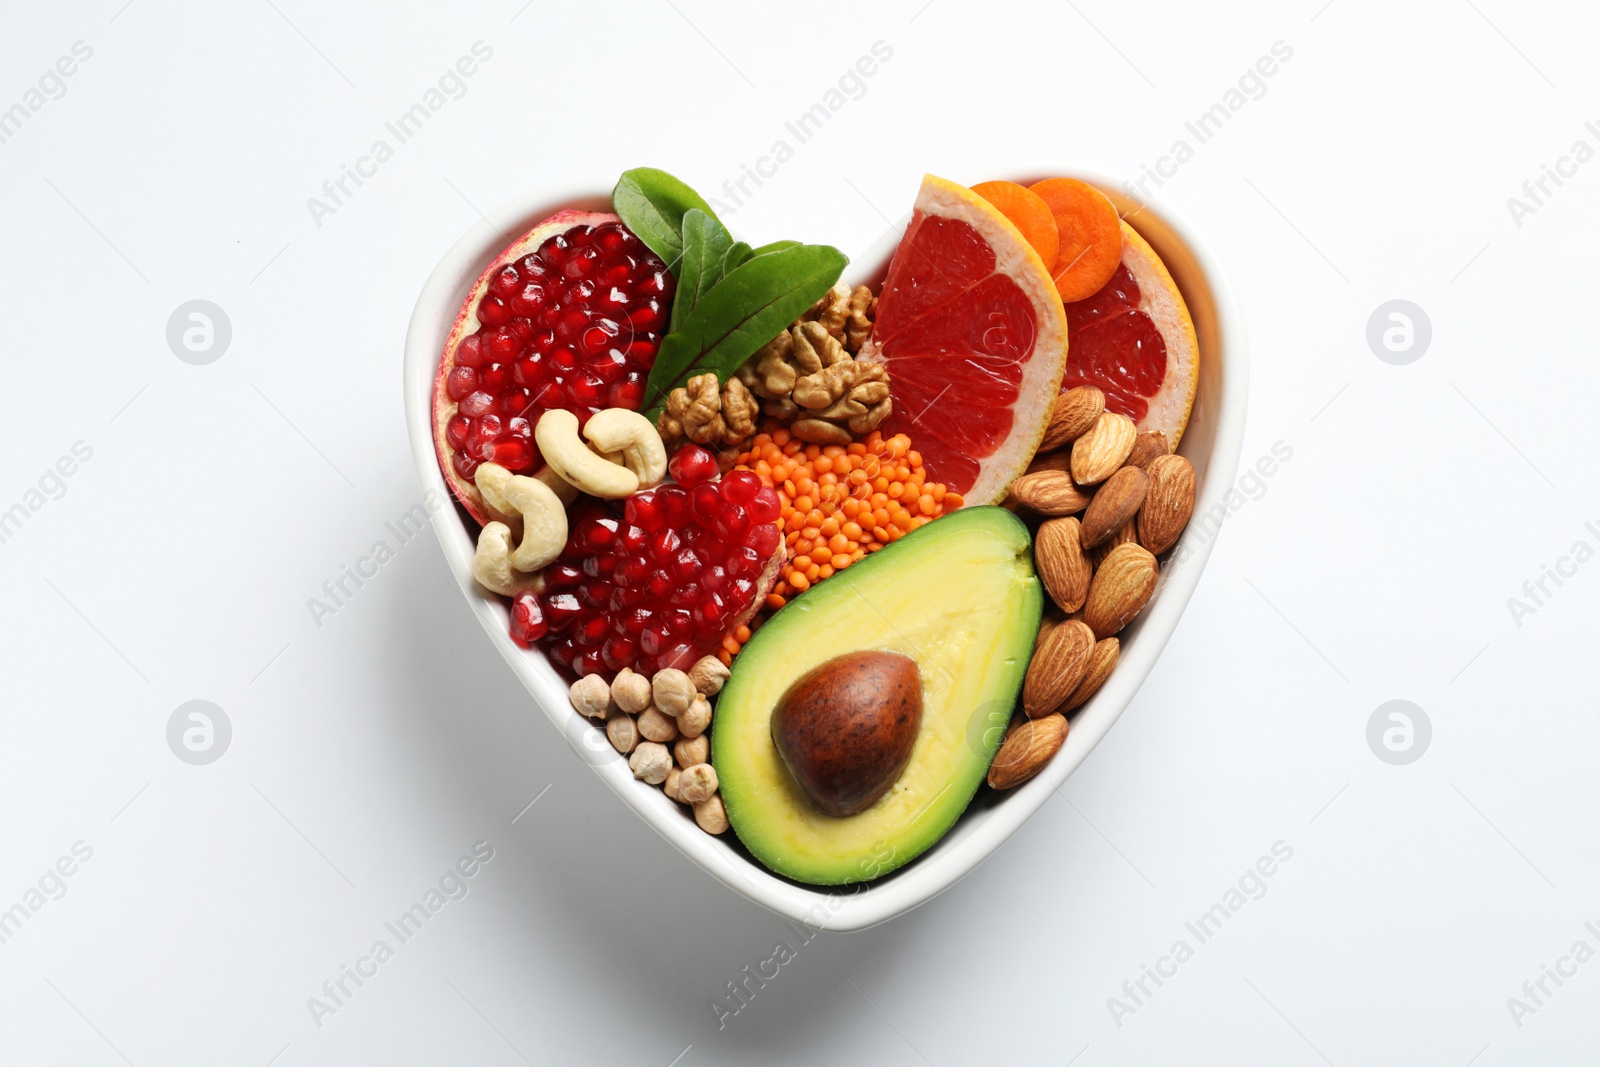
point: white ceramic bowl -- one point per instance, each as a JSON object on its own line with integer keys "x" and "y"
{"x": 1211, "y": 442}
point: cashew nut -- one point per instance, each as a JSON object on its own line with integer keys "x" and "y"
{"x": 544, "y": 517}
{"x": 492, "y": 566}
{"x": 628, "y": 432}
{"x": 562, "y": 448}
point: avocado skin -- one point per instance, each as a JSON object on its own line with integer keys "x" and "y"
{"x": 970, "y": 572}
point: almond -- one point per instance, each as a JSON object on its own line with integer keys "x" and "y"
{"x": 1168, "y": 503}
{"x": 1128, "y": 531}
{"x": 1060, "y": 661}
{"x": 1027, "y": 748}
{"x": 1058, "y": 557}
{"x": 1059, "y": 460}
{"x": 1113, "y": 505}
{"x": 1049, "y": 493}
{"x": 1097, "y": 454}
{"x": 1120, "y": 589}
{"x": 1146, "y": 447}
{"x": 1101, "y": 661}
{"x": 1076, "y": 410}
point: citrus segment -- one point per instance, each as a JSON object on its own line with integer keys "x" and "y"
{"x": 1134, "y": 340}
{"x": 1089, "y": 232}
{"x": 974, "y": 336}
{"x": 1028, "y": 212}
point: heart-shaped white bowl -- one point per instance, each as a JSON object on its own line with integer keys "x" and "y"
{"x": 1211, "y": 442}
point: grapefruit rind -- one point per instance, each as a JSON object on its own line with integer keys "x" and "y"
{"x": 1159, "y": 298}
{"x": 466, "y": 324}
{"x": 1041, "y": 378}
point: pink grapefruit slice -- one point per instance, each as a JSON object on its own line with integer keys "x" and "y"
{"x": 974, "y": 336}
{"x": 1134, "y": 339}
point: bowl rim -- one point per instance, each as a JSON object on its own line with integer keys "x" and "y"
{"x": 958, "y": 853}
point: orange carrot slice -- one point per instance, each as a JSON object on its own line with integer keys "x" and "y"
{"x": 1028, "y": 213}
{"x": 1090, "y": 235}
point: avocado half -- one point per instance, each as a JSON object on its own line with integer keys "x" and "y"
{"x": 958, "y": 596}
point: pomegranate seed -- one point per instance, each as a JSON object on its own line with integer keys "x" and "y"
{"x": 764, "y": 507}
{"x": 764, "y": 539}
{"x": 492, "y": 310}
{"x": 456, "y": 430}
{"x": 629, "y": 392}
{"x": 461, "y": 381}
{"x": 643, "y": 511}
{"x": 740, "y": 487}
{"x": 691, "y": 465}
{"x": 505, "y": 281}
{"x": 561, "y": 610}
{"x": 732, "y": 523}
{"x": 469, "y": 353}
{"x": 514, "y": 454}
{"x": 705, "y": 504}
{"x": 527, "y": 620}
{"x": 475, "y": 404}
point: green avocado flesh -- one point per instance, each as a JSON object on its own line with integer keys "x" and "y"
{"x": 959, "y": 597}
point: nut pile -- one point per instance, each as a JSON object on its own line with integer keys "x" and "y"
{"x": 807, "y": 376}
{"x": 1110, "y": 500}
{"x": 660, "y": 724}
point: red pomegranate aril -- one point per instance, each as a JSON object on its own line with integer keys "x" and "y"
{"x": 590, "y": 662}
{"x": 505, "y": 280}
{"x": 674, "y": 506}
{"x": 633, "y": 621}
{"x": 612, "y": 300}
{"x": 562, "y": 576}
{"x": 587, "y": 390}
{"x": 664, "y": 544}
{"x": 629, "y": 392}
{"x": 477, "y": 403}
{"x": 686, "y": 565}
{"x": 705, "y": 503}
{"x": 455, "y": 430}
{"x": 654, "y": 284}
{"x": 740, "y": 487}
{"x": 643, "y": 511}
{"x": 659, "y": 586}
{"x": 492, "y": 310}
{"x": 732, "y": 523}
{"x": 569, "y": 322}
{"x": 494, "y": 378}
{"x": 462, "y": 381}
{"x": 581, "y": 263}
{"x": 715, "y": 579}
{"x": 765, "y": 540}
{"x": 619, "y": 652}
{"x": 561, "y": 610}
{"x": 596, "y": 338}
{"x": 469, "y": 353}
{"x": 648, "y": 316}
{"x": 527, "y": 620}
{"x": 514, "y": 454}
{"x": 691, "y": 465}
{"x": 764, "y": 507}
{"x": 610, "y": 237}
{"x": 609, "y": 367}
{"x": 590, "y": 632}
{"x": 527, "y": 300}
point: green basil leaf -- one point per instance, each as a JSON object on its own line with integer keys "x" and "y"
{"x": 652, "y": 204}
{"x": 705, "y": 243}
{"x": 737, "y": 256}
{"x": 776, "y": 246}
{"x": 742, "y": 312}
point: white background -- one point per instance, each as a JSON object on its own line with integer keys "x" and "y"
{"x": 372, "y": 751}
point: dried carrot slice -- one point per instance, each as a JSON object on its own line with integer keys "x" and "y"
{"x": 1090, "y": 235}
{"x": 1028, "y": 213}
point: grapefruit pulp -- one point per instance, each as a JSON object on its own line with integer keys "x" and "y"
{"x": 974, "y": 336}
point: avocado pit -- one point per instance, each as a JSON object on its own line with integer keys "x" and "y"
{"x": 845, "y": 729}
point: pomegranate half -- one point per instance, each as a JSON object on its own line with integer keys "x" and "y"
{"x": 570, "y": 315}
